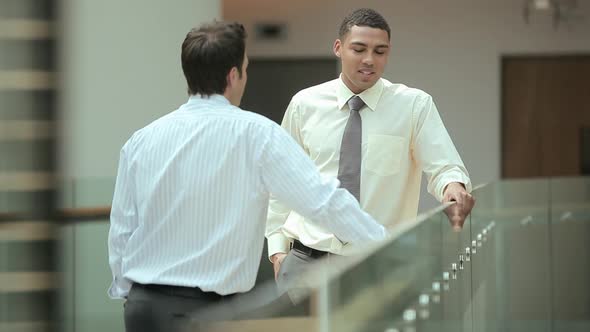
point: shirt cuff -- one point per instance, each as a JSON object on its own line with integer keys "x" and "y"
{"x": 277, "y": 243}
{"x": 119, "y": 290}
{"x": 450, "y": 178}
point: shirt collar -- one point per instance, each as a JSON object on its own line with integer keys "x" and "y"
{"x": 214, "y": 98}
{"x": 370, "y": 96}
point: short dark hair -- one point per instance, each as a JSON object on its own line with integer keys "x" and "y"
{"x": 364, "y": 17}
{"x": 209, "y": 53}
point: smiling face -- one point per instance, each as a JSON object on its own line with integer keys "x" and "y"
{"x": 364, "y": 52}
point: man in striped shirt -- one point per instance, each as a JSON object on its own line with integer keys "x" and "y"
{"x": 192, "y": 192}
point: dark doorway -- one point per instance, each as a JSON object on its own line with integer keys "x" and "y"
{"x": 272, "y": 82}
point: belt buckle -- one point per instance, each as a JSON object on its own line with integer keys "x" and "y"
{"x": 302, "y": 248}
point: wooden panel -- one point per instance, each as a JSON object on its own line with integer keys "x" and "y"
{"x": 544, "y": 107}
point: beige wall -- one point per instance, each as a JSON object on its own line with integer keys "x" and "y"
{"x": 120, "y": 66}
{"x": 120, "y": 63}
{"x": 450, "y": 49}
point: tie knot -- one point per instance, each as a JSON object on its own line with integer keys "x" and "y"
{"x": 356, "y": 103}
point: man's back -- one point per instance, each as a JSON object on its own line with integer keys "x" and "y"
{"x": 196, "y": 176}
{"x": 192, "y": 195}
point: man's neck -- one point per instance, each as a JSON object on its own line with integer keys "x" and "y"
{"x": 354, "y": 89}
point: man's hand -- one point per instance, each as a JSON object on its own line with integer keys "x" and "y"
{"x": 277, "y": 259}
{"x": 464, "y": 202}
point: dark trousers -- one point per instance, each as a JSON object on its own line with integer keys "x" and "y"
{"x": 155, "y": 308}
{"x": 296, "y": 263}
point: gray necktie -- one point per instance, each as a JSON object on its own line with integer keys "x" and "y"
{"x": 349, "y": 168}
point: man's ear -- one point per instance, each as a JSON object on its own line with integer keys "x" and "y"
{"x": 232, "y": 76}
{"x": 337, "y": 47}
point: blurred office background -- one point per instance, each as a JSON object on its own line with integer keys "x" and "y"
{"x": 78, "y": 77}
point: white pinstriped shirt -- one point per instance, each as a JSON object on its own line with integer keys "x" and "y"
{"x": 192, "y": 194}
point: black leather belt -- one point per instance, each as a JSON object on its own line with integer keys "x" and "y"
{"x": 194, "y": 292}
{"x": 310, "y": 252}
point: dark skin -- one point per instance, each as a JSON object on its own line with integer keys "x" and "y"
{"x": 463, "y": 204}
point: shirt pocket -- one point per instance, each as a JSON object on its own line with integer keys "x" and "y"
{"x": 384, "y": 153}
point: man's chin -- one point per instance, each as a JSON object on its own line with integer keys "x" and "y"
{"x": 365, "y": 84}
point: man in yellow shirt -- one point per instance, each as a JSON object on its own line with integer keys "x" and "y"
{"x": 376, "y": 137}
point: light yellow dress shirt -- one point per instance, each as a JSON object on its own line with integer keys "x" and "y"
{"x": 402, "y": 135}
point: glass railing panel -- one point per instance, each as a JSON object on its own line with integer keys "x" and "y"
{"x": 430, "y": 307}
{"x": 511, "y": 269}
{"x": 482, "y": 259}
{"x": 394, "y": 285}
{"x": 527, "y": 269}
{"x": 570, "y": 255}
{"x": 457, "y": 297}
{"x": 397, "y": 285}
